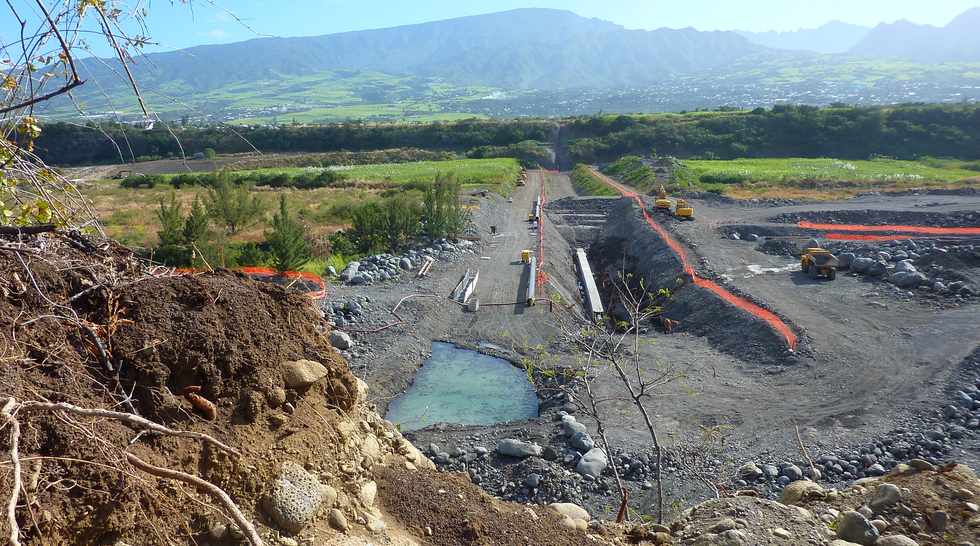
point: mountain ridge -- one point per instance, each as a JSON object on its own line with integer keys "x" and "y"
{"x": 830, "y": 38}
{"x": 958, "y": 41}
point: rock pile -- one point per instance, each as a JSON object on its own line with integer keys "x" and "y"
{"x": 909, "y": 265}
{"x": 379, "y": 268}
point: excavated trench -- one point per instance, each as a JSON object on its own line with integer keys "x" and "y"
{"x": 626, "y": 246}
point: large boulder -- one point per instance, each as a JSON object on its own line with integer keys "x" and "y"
{"x": 877, "y": 269}
{"x": 299, "y": 374}
{"x": 516, "y": 448}
{"x": 570, "y": 510}
{"x": 294, "y": 498}
{"x": 905, "y": 266}
{"x": 854, "y": 527}
{"x": 800, "y": 491}
{"x": 844, "y": 260}
{"x": 861, "y": 265}
{"x": 582, "y": 441}
{"x": 350, "y": 271}
{"x": 341, "y": 340}
{"x": 885, "y": 496}
{"x": 592, "y": 463}
{"x": 907, "y": 279}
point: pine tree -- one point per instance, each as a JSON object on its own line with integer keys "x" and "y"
{"x": 233, "y": 205}
{"x": 171, "y": 221}
{"x": 287, "y": 241}
{"x": 196, "y": 224}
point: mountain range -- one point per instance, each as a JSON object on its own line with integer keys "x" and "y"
{"x": 958, "y": 41}
{"x": 830, "y": 38}
{"x": 522, "y": 49}
{"x": 437, "y": 69}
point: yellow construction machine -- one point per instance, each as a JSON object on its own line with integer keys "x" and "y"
{"x": 662, "y": 203}
{"x": 819, "y": 262}
{"x": 683, "y": 210}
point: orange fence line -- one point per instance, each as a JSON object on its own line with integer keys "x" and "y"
{"x": 754, "y": 309}
{"x": 540, "y": 276}
{"x": 864, "y": 237}
{"x": 926, "y": 230}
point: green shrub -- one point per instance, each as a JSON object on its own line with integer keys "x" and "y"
{"x": 287, "y": 241}
{"x": 723, "y": 178}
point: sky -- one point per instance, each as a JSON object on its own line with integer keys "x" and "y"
{"x": 175, "y": 25}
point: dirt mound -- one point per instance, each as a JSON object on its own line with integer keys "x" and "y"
{"x": 463, "y": 514}
{"x": 220, "y": 332}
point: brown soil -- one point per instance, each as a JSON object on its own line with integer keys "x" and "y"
{"x": 458, "y": 512}
{"x": 221, "y": 332}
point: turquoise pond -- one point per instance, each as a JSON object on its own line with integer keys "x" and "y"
{"x": 464, "y": 387}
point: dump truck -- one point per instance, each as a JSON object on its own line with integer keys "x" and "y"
{"x": 683, "y": 210}
{"x": 662, "y": 202}
{"x": 819, "y": 262}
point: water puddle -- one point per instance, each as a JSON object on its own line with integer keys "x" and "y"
{"x": 464, "y": 387}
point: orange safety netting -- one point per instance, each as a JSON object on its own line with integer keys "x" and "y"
{"x": 925, "y": 230}
{"x": 540, "y": 276}
{"x": 864, "y": 237}
{"x": 744, "y": 304}
{"x": 301, "y": 281}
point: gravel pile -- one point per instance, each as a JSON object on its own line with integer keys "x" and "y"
{"x": 932, "y": 440}
{"x": 380, "y": 268}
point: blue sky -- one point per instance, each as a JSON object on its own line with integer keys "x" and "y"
{"x": 208, "y": 21}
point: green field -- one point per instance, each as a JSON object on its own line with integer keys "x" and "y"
{"x": 800, "y": 178}
{"x": 800, "y": 169}
{"x": 129, "y": 215}
{"x": 497, "y": 174}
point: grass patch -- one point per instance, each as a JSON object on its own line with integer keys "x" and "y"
{"x": 825, "y": 179}
{"x": 586, "y": 183}
{"x": 796, "y": 170}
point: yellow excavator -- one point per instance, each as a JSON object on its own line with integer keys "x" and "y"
{"x": 683, "y": 210}
{"x": 662, "y": 203}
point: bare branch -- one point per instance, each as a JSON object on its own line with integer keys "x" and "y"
{"x": 129, "y": 418}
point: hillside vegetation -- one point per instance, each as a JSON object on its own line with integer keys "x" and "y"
{"x": 905, "y": 132}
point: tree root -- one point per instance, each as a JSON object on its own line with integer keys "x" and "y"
{"x": 131, "y": 419}
{"x": 12, "y": 406}
{"x": 243, "y": 523}
{"x": 8, "y": 411}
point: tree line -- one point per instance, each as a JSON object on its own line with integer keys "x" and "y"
{"x": 902, "y": 132}
{"x": 77, "y": 144}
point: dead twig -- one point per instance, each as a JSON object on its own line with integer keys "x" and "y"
{"x": 799, "y": 441}
{"x": 243, "y": 523}
{"x": 8, "y": 411}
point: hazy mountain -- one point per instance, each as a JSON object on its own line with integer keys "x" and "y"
{"x": 521, "y": 49}
{"x": 833, "y": 37}
{"x": 959, "y": 41}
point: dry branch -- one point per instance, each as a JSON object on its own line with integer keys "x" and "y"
{"x": 243, "y": 523}
{"x": 128, "y": 418}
